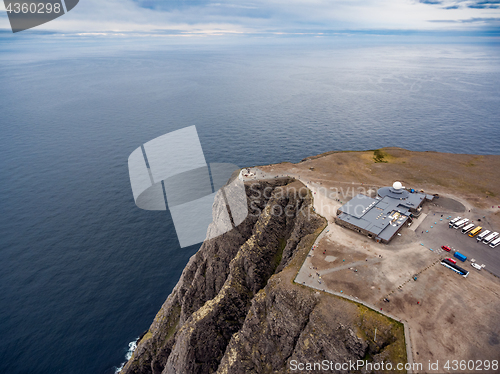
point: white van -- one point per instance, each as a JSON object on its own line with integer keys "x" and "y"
{"x": 495, "y": 243}
{"x": 490, "y": 238}
{"x": 460, "y": 223}
{"x": 467, "y": 228}
{"x": 483, "y": 235}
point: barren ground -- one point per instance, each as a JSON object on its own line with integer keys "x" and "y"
{"x": 450, "y": 317}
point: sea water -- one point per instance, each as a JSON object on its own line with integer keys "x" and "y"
{"x": 83, "y": 271}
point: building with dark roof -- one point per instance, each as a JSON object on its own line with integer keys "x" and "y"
{"x": 381, "y": 218}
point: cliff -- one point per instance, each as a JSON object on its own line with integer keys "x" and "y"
{"x": 236, "y": 309}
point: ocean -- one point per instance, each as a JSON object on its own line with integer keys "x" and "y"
{"x": 83, "y": 271}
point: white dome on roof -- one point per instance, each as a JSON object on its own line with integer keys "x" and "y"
{"x": 397, "y": 185}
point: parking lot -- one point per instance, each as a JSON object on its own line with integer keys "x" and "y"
{"x": 440, "y": 234}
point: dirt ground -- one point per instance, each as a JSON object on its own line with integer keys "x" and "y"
{"x": 450, "y": 317}
{"x": 456, "y": 319}
{"x": 470, "y": 177}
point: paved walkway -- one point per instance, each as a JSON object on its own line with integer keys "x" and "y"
{"x": 418, "y": 221}
{"x": 319, "y": 286}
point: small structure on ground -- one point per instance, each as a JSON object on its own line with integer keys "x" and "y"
{"x": 383, "y": 217}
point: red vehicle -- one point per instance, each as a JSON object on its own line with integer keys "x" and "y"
{"x": 451, "y": 260}
{"x": 446, "y": 248}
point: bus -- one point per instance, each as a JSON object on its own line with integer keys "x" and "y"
{"x": 483, "y": 235}
{"x": 495, "y": 243}
{"x": 454, "y": 220}
{"x": 476, "y": 231}
{"x": 457, "y": 269}
{"x": 490, "y": 238}
{"x": 467, "y": 228}
{"x": 460, "y": 223}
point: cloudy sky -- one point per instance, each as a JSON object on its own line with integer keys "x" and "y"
{"x": 215, "y": 17}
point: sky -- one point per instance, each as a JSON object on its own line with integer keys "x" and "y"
{"x": 274, "y": 17}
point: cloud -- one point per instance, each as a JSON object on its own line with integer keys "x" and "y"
{"x": 482, "y": 6}
{"x": 216, "y": 17}
{"x": 459, "y": 4}
{"x": 432, "y": 2}
{"x": 470, "y": 20}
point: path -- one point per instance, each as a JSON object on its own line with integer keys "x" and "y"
{"x": 418, "y": 221}
{"x": 373, "y": 260}
{"x": 409, "y": 352}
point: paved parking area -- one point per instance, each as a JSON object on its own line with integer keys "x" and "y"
{"x": 440, "y": 234}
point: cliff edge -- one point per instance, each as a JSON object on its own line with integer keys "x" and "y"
{"x": 236, "y": 309}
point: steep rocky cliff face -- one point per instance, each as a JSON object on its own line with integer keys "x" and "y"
{"x": 235, "y": 308}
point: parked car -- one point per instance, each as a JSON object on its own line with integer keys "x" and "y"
{"x": 476, "y": 266}
{"x": 451, "y": 260}
{"x": 446, "y": 248}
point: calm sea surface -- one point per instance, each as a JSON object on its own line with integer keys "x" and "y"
{"x": 83, "y": 271}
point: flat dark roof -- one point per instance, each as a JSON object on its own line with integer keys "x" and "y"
{"x": 383, "y": 216}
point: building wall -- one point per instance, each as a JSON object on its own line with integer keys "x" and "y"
{"x": 392, "y": 237}
{"x": 364, "y": 232}
{"x": 355, "y": 228}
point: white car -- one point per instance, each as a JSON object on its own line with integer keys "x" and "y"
{"x": 476, "y": 266}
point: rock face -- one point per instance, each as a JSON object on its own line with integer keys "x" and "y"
{"x": 235, "y": 308}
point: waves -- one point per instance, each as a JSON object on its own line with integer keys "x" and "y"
{"x": 72, "y": 242}
{"x": 132, "y": 346}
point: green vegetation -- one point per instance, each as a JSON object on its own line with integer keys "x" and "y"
{"x": 279, "y": 253}
{"x": 473, "y": 161}
{"x": 390, "y": 339}
{"x": 173, "y": 321}
{"x": 379, "y": 156}
{"x": 146, "y": 337}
